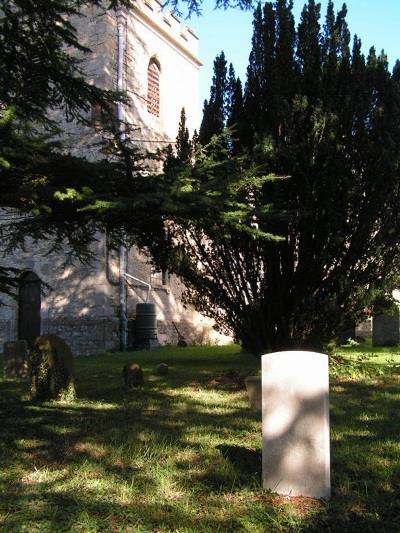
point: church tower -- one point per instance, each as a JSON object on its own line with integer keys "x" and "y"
{"x": 151, "y": 56}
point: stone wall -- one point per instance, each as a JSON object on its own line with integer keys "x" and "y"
{"x": 166, "y": 294}
{"x": 155, "y": 34}
{"x": 80, "y": 302}
{"x": 85, "y": 336}
{"x": 151, "y": 33}
{"x": 73, "y": 296}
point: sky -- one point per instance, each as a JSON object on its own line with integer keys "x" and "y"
{"x": 376, "y": 23}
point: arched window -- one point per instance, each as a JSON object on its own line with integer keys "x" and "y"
{"x": 153, "y": 88}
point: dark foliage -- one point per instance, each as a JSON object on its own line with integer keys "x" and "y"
{"x": 327, "y": 118}
{"x": 41, "y": 84}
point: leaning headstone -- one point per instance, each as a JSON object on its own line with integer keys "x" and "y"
{"x": 385, "y": 329}
{"x": 15, "y": 359}
{"x": 295, "y": 423}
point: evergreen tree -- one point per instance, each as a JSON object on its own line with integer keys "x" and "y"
{"x": 231, "y": 93}
{"x": 169, "y": 159}
{"x": 284, "y": 73}
{"x": 175, "y": 158}
{"x": 214, "y": 112}
{"x": 309, "y": 50}
{"x": 261, "y": 65}
{"x": 183, "y": 145}
{"x": 329, "y": 120}
{"x": 39, "y": 73}
{"x": 235, "y": 112}
{"x": 195, "y": 142}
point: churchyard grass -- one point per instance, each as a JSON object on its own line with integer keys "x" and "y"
{"x": 183, "y": 453}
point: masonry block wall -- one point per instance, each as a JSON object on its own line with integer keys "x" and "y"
{"x": 76, "y": 300}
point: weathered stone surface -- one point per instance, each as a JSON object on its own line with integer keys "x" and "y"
{"x": 253, "y": 387}
{"x": 15, "y": 359}
{"x": 385, "y": 329}
{"x": 295, "y": 423}
{"x": 85, "y": 335}
{"x": 51, "y": 369}
{"x": 364, "y": 328}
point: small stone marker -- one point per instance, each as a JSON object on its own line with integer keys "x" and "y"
{"x": 295, "y": 424}
{"x": 162, "y": 369}
{"x": 15, "y": 359}
{"x": 253, "y": 387}
{"x": 133, "y": 376}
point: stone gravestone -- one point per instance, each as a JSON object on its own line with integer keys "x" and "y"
{"x": 15, "y": 359}
{"x": 385, "y": 329}
{"x": 295, "y": 424}
{"x": 253, "y": 387}
{"x": 162, "y": 369}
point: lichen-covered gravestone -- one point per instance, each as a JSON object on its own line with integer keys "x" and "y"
{"x": 295, "y": 423}
{"x": 51, "y": 369}
{"x": 15, "y": 359}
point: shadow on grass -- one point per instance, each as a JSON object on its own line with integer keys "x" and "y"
{"x": 63, "y": 512}
{"x": 246, "y": 461}
{"x": 365, "y": 451}
{"x": 61, "y": 461}
{"x": 99, "y": 464}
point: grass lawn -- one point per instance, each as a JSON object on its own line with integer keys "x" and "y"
{"x": 183, "y": 454}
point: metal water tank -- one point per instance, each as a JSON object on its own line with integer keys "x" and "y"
{"x": 146, "y": 322}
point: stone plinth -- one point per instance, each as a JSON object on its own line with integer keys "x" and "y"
{"x": 295, "y": 423}
{"x": 15, "y": 358}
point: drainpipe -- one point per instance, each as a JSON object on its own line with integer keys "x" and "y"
{"x": 123, "y": 319}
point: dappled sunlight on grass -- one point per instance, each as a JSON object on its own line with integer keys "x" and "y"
{"x": 183, "y": 453}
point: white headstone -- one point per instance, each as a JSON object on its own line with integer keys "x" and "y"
{"x": 295, "y": 423}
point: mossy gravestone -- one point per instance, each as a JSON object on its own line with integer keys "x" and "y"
{"x": 51, "y": 369}
{"x": 133, "y": 376}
